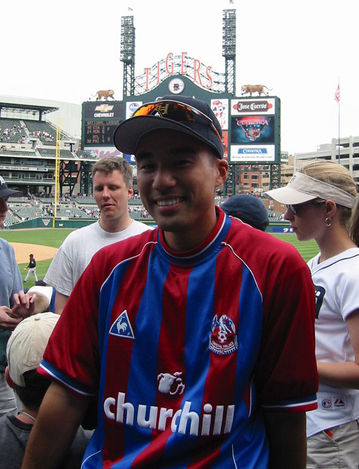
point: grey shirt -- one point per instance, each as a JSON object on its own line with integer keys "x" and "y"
{"x": 13, "y": 438}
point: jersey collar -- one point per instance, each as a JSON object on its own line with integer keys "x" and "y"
{"x": 208, "y": 245}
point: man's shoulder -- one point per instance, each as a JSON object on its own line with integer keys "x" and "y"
{"x": 6, "y": 250}
{"x": 9, "y": 424}
{"x": 13, "y": 439}
{"x": 128, "y": 247}
{"x": 81, "y": 233}
{"x": 252, "y": 237}
{"x": 4, "y": 244}
{"x": 258, "y": 248}
{"x": 139, "y": 227}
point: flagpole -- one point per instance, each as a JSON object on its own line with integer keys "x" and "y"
{"x": 337, "y": 98}
{"x": 339, "y": 132}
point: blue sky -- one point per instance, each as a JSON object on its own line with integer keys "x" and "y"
{"x": 299, "y": 49}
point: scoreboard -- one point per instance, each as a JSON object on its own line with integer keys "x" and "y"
{"x": 100, "y": 132}
{"x": 99, "y": 122}
{"x": 251, "y": 127}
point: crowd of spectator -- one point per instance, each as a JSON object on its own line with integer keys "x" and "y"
{"x": 43, "y": 205}
{"x": 42, "y": 135}
{"x": 14, "y": 132}
{"x": 81, "y": 206}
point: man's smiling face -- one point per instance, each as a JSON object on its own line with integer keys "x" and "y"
{"x": 177, "y": 176}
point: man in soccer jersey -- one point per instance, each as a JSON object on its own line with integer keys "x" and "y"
{"x": 197, "y": 337}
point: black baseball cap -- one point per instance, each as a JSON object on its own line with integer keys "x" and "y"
{"x": 247, "y": 208}
{"x": 181, "y": 113}
{"x": 5, "y": 191}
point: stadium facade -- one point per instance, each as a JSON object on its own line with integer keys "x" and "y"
{"x": 345, "y": 152}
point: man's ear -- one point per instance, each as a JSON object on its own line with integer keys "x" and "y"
{"x": 222, "y": 166}
{"x": 9, "y": 381}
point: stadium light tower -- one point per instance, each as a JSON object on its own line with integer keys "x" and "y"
{"x": 128, "y": 55}
{"x": 229, "y": 49}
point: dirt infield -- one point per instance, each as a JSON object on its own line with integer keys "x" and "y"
{"x": 22, "y": 251}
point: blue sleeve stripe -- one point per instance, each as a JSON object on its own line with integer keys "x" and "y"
{"x": 65, "y": 380}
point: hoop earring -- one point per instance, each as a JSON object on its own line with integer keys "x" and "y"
{"x": 328, "y": 222}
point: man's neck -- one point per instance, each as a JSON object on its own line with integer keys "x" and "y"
{"x": 114, "y": 226}
{"x": 27, "y": 416}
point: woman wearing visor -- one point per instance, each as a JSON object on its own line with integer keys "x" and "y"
{"x": 320, "y": 203}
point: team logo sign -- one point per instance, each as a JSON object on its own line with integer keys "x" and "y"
{"x": 223, "y": 339}
{"x": 122, "y": 327}
{"x": 253, "y": 127}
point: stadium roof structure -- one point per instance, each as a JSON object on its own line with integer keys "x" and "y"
{"x": 32, "y": 109}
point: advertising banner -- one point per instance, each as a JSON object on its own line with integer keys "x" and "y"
{"x": 254, "y": 130}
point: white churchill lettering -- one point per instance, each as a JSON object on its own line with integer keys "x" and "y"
{"x": 212, "y": 420}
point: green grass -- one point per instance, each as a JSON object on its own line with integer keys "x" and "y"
{"x": 47, "y": 237}
{"x": 307, "y": 249}
{"x": 55, "y": 236}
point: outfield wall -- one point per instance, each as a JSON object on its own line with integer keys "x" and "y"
{"x": 60, "y": 223}
{"x": 43, "y": 222}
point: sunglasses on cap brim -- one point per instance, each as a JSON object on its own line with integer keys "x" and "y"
{"x": 176, "y": 111}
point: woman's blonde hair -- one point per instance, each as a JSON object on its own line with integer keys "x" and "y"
{"x": 335, "y": 174}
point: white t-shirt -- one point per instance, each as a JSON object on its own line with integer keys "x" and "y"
{"x": 76, "y": 252}
{"x": 336, "y": 283}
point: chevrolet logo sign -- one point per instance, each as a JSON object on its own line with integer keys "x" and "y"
{"x": 104, "y": 108}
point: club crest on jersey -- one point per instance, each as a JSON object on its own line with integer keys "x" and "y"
{"x": 223, "y": 338}
{"x": 122, "y": 327}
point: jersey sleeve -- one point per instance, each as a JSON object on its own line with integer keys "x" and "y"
{"x": 71, "y": 356}
{"x": 286, "y": 373}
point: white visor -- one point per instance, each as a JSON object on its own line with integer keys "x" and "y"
{"x": 302, "y": 188}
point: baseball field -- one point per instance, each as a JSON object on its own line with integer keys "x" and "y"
{"x": 43, "y": 244}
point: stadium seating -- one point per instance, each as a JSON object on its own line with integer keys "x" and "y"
{"x": 12, "y": 131}
{"x": 41, "y": 130}
{"x": 52, "y": 152}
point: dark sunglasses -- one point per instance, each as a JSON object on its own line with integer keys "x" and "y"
{"x": 176, "y": 111}
{"x": 296, "y": 208}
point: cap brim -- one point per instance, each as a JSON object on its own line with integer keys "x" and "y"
{"x": 8, "y": 193}
{"x": 129, "y": 133}
{"x": 289, "y": 196}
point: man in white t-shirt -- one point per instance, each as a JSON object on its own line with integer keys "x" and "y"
{"x": 112, "y": 188}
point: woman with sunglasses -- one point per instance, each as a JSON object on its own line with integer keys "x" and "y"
{"x": 320, "y": 203}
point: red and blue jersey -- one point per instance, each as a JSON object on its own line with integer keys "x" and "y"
{"x": 185, "y": 350}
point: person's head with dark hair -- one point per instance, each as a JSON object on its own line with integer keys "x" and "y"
{"x": 248, "y": 208}
{"x": 24, "y": 353}
{"x": 178, "y": 147}
{"x": 184, "y": 114}
{"x": 25, "y": 350}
